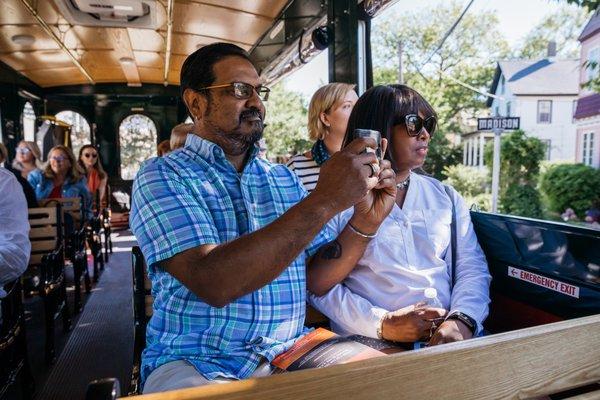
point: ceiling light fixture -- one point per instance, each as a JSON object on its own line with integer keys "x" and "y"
{"x": 126, "y": 60}
{"x": 23, "y": 40}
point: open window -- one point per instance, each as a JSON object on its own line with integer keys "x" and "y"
{"x": 137, "y": 143}
{"x": 80, "y": 129}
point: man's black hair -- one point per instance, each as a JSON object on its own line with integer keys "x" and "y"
{"x": 197, "y": 70}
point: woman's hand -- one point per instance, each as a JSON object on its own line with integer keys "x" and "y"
{"x": 451, "y": 330}
{"x": 411, "y": 323}
{"x": 376, "y": 205}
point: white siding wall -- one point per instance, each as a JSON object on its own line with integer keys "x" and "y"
{"x": 561, "y": 131}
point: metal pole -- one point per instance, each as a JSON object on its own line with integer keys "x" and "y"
{"x": 496, "y": 169}
{"x": 400, "y": 66}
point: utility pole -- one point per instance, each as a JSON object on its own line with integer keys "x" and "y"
{"x": 400, "y": 66}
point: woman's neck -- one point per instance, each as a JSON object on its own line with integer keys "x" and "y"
{"x": 59, "y": 179}
{"x": 28, "y": 166}
{"x": 402, "y": 175}
{"x": 333, "y": 144}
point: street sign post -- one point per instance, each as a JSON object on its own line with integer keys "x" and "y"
{"x": 497, "y": 125}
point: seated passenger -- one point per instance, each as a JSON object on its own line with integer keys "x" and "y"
{"x": 227, "y": 235}
{"x": 328, "y": 115}
{"x": 27, "y": 189}
{"x": 179, "y": 135}
{"x": 410, "y": 252}
{"x": 61, "y": 178}
{"x": 28, "y": 158}
{"x": 14, "y": 230}
{"x": 89, "y": 161}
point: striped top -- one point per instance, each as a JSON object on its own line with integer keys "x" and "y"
{"x": 306, "y": 169}
{"x": 194, "y": 197}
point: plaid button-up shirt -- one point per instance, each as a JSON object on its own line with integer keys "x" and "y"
{"x": 194, "y": 197}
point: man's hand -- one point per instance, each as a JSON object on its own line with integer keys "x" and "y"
{"x": 347, "y": 176}
{"x": 411, "y": 323}
{"x": 449, "y": 331}
{"x": 375, "y": 206}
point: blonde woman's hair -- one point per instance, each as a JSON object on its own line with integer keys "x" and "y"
{"x": 322, "y": 101}
{"x": 74, "y": 174}
{"x": 35, "y": 150}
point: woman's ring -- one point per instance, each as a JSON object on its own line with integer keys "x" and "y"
{"x": 374, "y": 169}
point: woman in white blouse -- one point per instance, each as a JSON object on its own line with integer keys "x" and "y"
{"x": 328, "y": 114}
{"x": 383, "y": 295}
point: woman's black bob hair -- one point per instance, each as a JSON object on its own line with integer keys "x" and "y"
{"x": 383, "y": 107}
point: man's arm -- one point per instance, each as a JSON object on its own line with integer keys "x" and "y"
{"x": 14, "y": 229}
{"x": 220, "y": 274}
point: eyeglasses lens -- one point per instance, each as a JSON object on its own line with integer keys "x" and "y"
{"x": 23, "y": 150}
{"x": 244, "y": 91}
{"x": 88, "y": 155}
{"x": 58, "y": 158}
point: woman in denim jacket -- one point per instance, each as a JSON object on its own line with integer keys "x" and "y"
{"x": 61, "y": 178}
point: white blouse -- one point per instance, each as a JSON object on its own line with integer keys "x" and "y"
{"x": 410, "y": 253}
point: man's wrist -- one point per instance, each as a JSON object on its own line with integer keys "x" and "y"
{"x": 363, "y": 226}
{"x": 322, "y": 207}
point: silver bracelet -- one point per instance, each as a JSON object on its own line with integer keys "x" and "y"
{"x": 359, "y": 233}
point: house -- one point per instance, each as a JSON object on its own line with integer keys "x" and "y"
{"x": 587, "y": 114}
{"x": 543, "y": 93}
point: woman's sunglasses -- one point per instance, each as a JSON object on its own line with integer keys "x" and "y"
{"x": 23, "y": 150}
{"x": 88, "y": 155}
{"x": 415, "y": 124}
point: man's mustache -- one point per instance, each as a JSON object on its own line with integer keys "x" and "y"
{"x": 251, "y": 113}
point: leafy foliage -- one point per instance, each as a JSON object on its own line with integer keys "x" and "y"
{"x": 589, "y": 4}
{"x": 467, "y": 55}
{"x": 286, "y": 120}
{"x": 519, "y": 169}
{"x": 472, "y": 183}
{"x": 562, "y": 27}
{"x": 571, "y": 185}
{"x": 137, "y": 142}
{"x": 441, "y": 154}
{"x": 522, "y": 199}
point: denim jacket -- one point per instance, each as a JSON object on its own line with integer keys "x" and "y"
{"x": 43, "y": 187}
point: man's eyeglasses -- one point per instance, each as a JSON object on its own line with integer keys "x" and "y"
{"x": 58, "y": 158}
{"x": 243, "y": 91}
{"x": 415, "y": 124}
{"x": 23, "y": 150}
{"x": 88, "y": 155}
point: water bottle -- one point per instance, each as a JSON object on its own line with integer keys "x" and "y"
{"x": 431, "y": 298}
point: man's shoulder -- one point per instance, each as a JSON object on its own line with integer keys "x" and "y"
{"x": 5, "y": 174}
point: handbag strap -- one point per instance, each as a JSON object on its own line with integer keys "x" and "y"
{"x": 452, "y": 237}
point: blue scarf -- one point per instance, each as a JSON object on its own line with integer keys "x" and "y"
{"x": 319, "y": 152}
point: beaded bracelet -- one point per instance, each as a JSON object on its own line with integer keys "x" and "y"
{"x": 359, "y": 233}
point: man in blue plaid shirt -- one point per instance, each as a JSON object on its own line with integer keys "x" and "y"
{"x": 228, "y": 236}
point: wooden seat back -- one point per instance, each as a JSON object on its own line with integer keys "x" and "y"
{"x": 142, "y": 311}
{"x": 45, "y": 232}
{"x": 523, "y": 364}
{"x": 13, "y": 348}
{"x": 69, "y": 205}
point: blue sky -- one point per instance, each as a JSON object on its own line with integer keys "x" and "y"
{"x": 516, "y": 18}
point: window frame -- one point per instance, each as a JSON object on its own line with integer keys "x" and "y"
{"x": 155, "y": 141}
{"x": 539, "y": 120}
{"x": 592, "y": 72}
{"x": 89, "y": 141}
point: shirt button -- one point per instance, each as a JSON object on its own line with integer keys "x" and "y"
{"x": 406, "y": 224}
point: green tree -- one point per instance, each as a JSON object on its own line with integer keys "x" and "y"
{"x": 562, "y": 27}
{"x": 467, "y": 55}
{"x": 286, "y": 132}
{"x": 441, "y": 154}
{"x": 591, "y": 5}
{"x": 520, "y": 158}
{"x": 472, "y": 183}
{"x": 571, "y": 185}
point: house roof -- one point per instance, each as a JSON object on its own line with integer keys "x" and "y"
{"x": 588, "y": 106}
{"x": 547, "y": 76}
{"x": 592, "y": 27}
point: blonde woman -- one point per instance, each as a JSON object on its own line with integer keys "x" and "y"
{"x": 328, "y": 114}
{"x": 62, "y": 177}
{"x": 28, "y": 158}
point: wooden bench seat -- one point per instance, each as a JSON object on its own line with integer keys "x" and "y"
{"x": 524, "y": 364}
